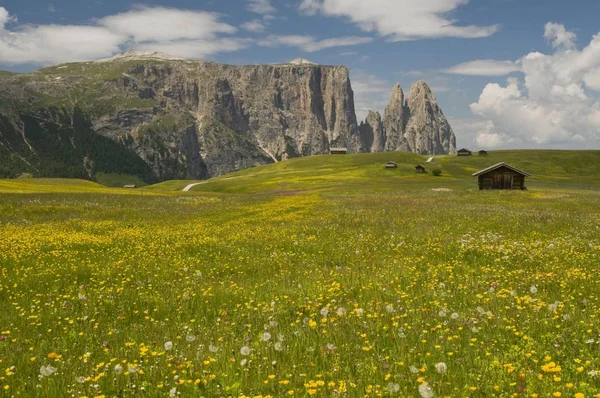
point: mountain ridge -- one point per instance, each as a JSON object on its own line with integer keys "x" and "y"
{"x": 196, "y": 119}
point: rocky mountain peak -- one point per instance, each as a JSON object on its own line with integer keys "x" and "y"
{"x": 140, "y": 55}
{"x": 301, "y": 61}
{"x": 414, "y": 123}
{"x": 420, "y": 89}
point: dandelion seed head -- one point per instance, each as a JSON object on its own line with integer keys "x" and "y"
{"x": 245, "y": 350}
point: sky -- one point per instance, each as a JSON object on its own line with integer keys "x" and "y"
{"x": 506, "y": 73}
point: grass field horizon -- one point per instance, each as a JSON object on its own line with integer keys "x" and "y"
{"x": 327, "y": 276}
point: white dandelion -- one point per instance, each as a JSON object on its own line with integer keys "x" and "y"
{"x": 47, "y": 370}
{"x": 533, "y": 289}
{"x": 245, "y": 350}
{"x": 213, "y": 348}
{"x": 425, "y": 390}
{"x": 324, "y": 311}
{"x": 414, "y": 369}
{"x": 441, "y": 367}
{"x": 278, "y": 346}
{"x": 118, "y": 369}
{"x": 454, "y": 315}
{"x": 393, "y": 387}
{"x": 243, "y": 362}
{"x": 168, "y": 345}
{"x": 190, "y": 338}
{"x": 80, "y": 379}
{"x": 341, "y": 311}
{"x": 266, "y": 336}
{"x": 389, "y": 308}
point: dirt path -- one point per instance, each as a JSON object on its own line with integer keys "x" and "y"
{"x": 190, "y": 186}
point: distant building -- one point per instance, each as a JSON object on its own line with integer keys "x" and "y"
{"x": 130, "y": 186}
{"x": 420, "y": 169}
{"x": 501, "y": 176}
{"x": 483, "y": 152}
{"x": 464, "y": 152}
{"x": 391, "y": 165}
{"x": 338, "y": 151}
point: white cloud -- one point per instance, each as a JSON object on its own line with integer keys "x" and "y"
{"x": 262, "y": 7}
{"x": 484, "y": 67}
{"x": 556, "y": 102}
{"x": 190, "y": 34}
{"x": 400, "y": 20}
{"x": 559, "y": 36}
{"x": 255, "y": 26}
{"x": 310, "y": 44}
{"x": 51, "y": 8}
{"x": 161, "y": 24}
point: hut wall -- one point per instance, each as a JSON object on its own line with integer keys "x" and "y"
{"x": 502, "y": 178}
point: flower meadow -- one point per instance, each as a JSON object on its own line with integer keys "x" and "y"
{"x": 351, "y": 293}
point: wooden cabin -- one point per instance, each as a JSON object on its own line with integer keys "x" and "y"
{"x": 483, "y": 152}
{"x": 338, "y": 151}
{"x": 130, "y": 186}
{"x": 420, "y": 169}
{"x": 464, "y": 152}
{"x": 391, "y": 165}
{"x": 501, "y": 176}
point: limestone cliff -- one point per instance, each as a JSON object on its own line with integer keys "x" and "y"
{"x": 200, "y": 119}
{"x": 413, "y": 124}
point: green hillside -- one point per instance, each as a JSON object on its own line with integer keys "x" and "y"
{"x": 567, "y": 169}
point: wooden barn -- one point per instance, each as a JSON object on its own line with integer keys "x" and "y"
{"x": 391, "y": 165}
{"x": 501, "y": 176}
{"x": 420, "y": 169}
{"x": 483, "y": 152}
{"x": 338, "y": 151}
{"x": 464, "y": 152}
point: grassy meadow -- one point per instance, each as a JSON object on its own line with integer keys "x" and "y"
{"x": 325, "y": 276}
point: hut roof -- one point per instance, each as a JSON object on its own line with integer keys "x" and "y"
{"x": 464, "y": 150}
{"x": 497, "y": 166}
{"x": 419, "y": 166}
{"x": 338, "y": 149}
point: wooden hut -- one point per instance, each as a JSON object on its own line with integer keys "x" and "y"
{"x": 131, "y": 186}
{"x": 391, "y": 165}
{"x": 420, "y": 169}
{"x": 464, "y": 152}
{"x": 501, "y": 176}
{"x": 338, "y": 151}
{"x": 483, "y": 152}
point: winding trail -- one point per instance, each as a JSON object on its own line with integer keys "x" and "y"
{"x": 190, "y": 186}
{"x": 187, "y": 188}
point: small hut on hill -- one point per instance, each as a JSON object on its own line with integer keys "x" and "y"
{"x": 420, "y": 169}
{"x": 501, "y": 176}
{"x": 483, "y": 152}
{"x": 130, "y": 186}
{"x": 391, "y": 165}
{"x": 338, "y": 151}
{"x": 464, "y": 152}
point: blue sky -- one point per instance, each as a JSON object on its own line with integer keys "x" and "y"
{"x": 507, "y": 73}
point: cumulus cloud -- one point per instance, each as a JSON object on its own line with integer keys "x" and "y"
{"x": 143, "y": 24}
{"x": 400, "y": 20}
{"x": 559, "y": 36}
{"x": 262, "y": 7}
{"x": 556, "y": 102}
{"x": 186, "y": 33}
{"x": 484, "y": 67}
{"x": 254, "y": 26}
{"x": 310, "y": 44}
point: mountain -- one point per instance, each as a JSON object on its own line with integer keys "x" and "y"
{"x": 158, "y": 117}
{"x": 413, "y": 124}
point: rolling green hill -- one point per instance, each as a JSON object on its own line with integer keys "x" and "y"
{"x": 550, "y": 168}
